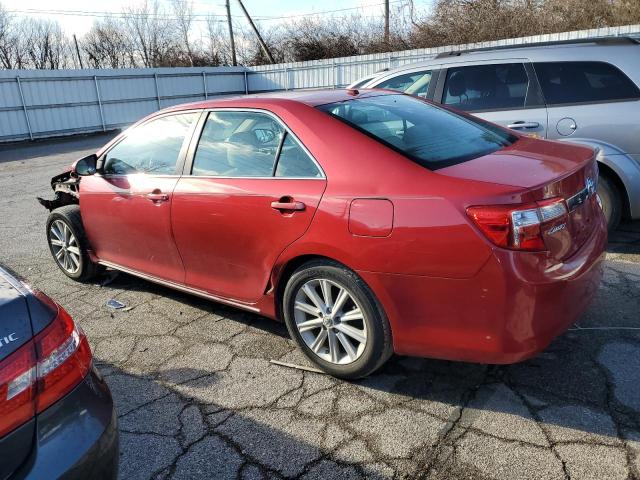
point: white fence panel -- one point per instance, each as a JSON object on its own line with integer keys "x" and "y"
{"x": 43, "y": 103}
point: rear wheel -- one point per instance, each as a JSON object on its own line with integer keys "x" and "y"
{"x": 336, "y": 320}
{"x": 611, "y": 201}
{"x": 68, "y": 243}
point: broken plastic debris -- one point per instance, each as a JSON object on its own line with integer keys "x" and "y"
{"x": 299, "y": 367}
{"x": 115, "y": 304}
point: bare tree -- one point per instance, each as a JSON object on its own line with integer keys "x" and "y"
{"x": 12, "y": 51}
{"x": 218, "y": 48}
{"x": 106, "y": 45}
{"x": 151, "y": 34}
{"x": 46, "y": 45}
{"x": 183, "y": 13}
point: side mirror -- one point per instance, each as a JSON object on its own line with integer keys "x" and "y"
{"x": 86, "y": 166}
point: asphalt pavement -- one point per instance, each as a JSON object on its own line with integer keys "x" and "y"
{"x": 197, "y": 395}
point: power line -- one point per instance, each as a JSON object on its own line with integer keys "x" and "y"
{"x": 197, "y": 17}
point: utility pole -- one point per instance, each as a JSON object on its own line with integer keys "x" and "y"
{"x": 234, "y": 62}
{"x": 75, "y": 40}
{"x": 265, "y": 49}
{"x": 386, "y": 22}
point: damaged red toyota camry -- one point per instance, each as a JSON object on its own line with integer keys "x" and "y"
{"x": 371, "y": 222}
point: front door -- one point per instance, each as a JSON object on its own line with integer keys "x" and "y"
{"x": 502, "y": 93}
{"x": 126, "y": 209}
{"x": 252, "y": 191}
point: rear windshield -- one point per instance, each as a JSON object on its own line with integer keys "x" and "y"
{"x": 429, "y": 135}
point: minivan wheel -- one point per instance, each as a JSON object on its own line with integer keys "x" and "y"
{"x": 611, "y": 201}
{"x": 336, "y": 320}
{"x": 68, "y": 243}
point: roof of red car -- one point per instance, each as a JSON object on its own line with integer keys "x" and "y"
{"x": 308, "y": 97}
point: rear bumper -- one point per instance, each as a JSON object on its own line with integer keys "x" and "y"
{"x": 77, "y": 437}
{"x": 508, "y": 312}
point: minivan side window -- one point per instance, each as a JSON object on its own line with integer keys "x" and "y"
{"x": 152, "y": 147}
{"x": 486, "y": 87}
{"x": 415, "y": 83}
{"x": 238, "y": 144}
{"x": 583, "y": 82}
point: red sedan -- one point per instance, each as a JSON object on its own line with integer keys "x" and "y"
{"x": 371, "y": 222}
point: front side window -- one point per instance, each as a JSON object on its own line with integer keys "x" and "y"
{"x": 415, "y": 83}
{"x": 152, "y": 148}
{"x": 583, "y": 82}
{"x": 431, "y": 136}
{"x": 486, "y": 87}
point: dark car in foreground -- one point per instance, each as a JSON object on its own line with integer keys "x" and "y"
{"x": 56, "y": 414}
{"x": 370, "y": 222}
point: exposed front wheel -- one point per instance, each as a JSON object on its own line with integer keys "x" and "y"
{"x": 68, "y": 243}
{"x": 335, "y": 319}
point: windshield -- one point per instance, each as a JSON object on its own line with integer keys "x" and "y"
{"x": 429, "y": 135}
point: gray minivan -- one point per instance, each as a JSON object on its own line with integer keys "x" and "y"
{"x": 584, "y": 92}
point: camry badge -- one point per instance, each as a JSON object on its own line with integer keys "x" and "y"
{"x": 557, "y": 228}
{"x": 12, "y": 337}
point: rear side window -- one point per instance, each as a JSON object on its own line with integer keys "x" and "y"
{"x": 583, "y": 82}
{"x": 415, "y": 83}
{"x": 486, "y": 87}
{"x": 152, "y": 147}
{"x": 294, "y": 162}
{"x": 431, "y": 136}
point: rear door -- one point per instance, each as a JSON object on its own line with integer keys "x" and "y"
{"x": 503, "y": 92}
{"x": 126, "y": 209}
{"x": 250, "y": 189}
{"x": 591, "y": 100}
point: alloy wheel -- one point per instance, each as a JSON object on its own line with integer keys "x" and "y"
{"x": 65, "y": 247}
{"x": 330, "y": 321}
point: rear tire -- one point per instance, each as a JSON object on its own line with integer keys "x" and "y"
{"x": 336, "y": 320}
{"x": 68, "y": 244}
{"x": 611, "y": 199}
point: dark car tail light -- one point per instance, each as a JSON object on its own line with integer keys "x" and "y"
{"x": 42, "y": 371}
{"x": 518, "y": 227}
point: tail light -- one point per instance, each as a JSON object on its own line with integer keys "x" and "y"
{"x": 42, "y": 371}
{"x": 518, "y": 227}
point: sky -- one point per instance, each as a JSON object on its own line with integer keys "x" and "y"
{"x": 77, "y": 16}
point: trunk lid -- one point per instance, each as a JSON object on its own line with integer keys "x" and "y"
{"x": 15, "y": 322}
{"x": 15, "y": 331}
{"x": 545, "y": 170}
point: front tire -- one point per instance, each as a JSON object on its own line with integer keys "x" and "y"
{"x": 611, "y": 201}
{"x": 68, "y": 243}
{"x": 336, "y": 320}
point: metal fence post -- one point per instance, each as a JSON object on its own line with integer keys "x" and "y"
{"x": 334, "y": 72}
{"x": 155, "y": 78}
{"x": 95, "y": 81}
{"x": 246, "y": 83}
{"x": 204, "y": 85}
{"x": 24, "y": 107}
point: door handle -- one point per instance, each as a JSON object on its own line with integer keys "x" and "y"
{"x": 287, "y": 206}
{"x": 522, "y": 124}
{"x": 157, "y": 197}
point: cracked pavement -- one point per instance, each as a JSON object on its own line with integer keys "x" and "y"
{"x": 197, "y": 397}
